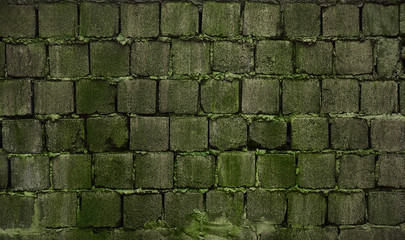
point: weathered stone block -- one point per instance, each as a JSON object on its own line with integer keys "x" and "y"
{"x": 227, "y": 205}
{"x": 354, "y": 57}
{"x": 341, "y": 20}
{"x": 356, "y": 171}
{"x": 314, "y": 58}
{"x": 188, "y": 134}
{"x": 141, "y": 208}
{"x": 180, "y": 207}
{"x": 309, "y": 133}
{"x": 388, "y": 57}
{"x": 269, "y": 135}
{"x": 260, "y": 96}
{"x": 349, "y": 133}
{"x": 380, "y": 20}
{"x": 17, "y": 21}
{"x": 236, "y": 169}
{"x": 391, "y": 170}
{"x": 276, "y": 170}
{"x": 150, "y": 58}
{"x": 346, "y": 208}
{"x": 137, "y": 96}
{"x": 387, "y": 134}
{"x": 179, "y": 18}
{"x": 52, "y": 97}
{"x": 316, "y": 170}
{"x": 140, "y": 20}
{"x": 324, "y": 233}
{"x": 386, "y": 208}
{"x": 2, "y": 58}
{"x": 266, "y": 206}
{"x": 72, "y": 171}
{"x": 219, "y": 96}
{"x": 149, "y": 133}
{"x": 65, "y": 135}
{"x": 18, "y": 213}
{"x": 113, "y": 170}
{"x": 373, "y": 233}
{"x": 274, "y": 57}
{"x": 29, "y": 173}
{"x": 232, "y": 57}
{"x": 302, "y": 20}
{"x": 306, "y": 209}
{"x": 191, "y": 57}
{"x": 3, "y": 171}
{"x": 57, "y": 20}
{"x": 98, "y": 19}
{"x": 57, "y": 209}
{"x": 109, "y": 59}
{"x": 69, "y": 60}
{"x": 145, "y": 234}
{"x": 26, "y": 60}
{"x": 261, "y": 19}
{"x": 228, "y": 133}
{"x": 178, "y": 96}
{"x": 22, "y": 136}
{"x": 340, "y": 95}
{"x": 221, "y": 19}
{"x": 107, "y": 133}
{"x": 154, "y": 170}
{"x": 195, "y": 171}
{"x": 301, "y": 96}
{"x": 15, "y": 98}
{"x": 379, "y": 97}
{"x": 95, "y": 97}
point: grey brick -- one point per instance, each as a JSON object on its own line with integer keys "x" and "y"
{"x": 179, "y": 18}
{"x": 387, "y": 134}
{"x": 26, "y": 60}
{"x": 137, "y": 96}
{"x": 268, "y": 134}
{"x": 379, "y": 97}
{"x": 388, "y": 57}
{"x": 188, "y": 134}
{"x": 98, "y": 19}
{"x": 261, "y": 19}
{"x": 276, "y": 170}
{"x": 314, "y": 58}
{"x": 386, "y": 208}
{"x": 154, "y": 170}
{"x": 94, "y": 96}
{"x": 113, "y": 170}
{"x": 380, "y": 20}
{"x": 314, "y": 205}
{"x": 316, "y": 170}
{"x": 340, "y": 95}
{"x": 349, "y": 133}
{"x": 29, "y": 173}
{"x": 227, "y": 205}
{"x": 149, "y": 133}
{"x": 19, "y": 212}
{"x": 191, "y": 57}
{"x": 391, "y": 170}
{"x": 219, "y": 96}
{"x": 109, "y": 59}
{"x": 346, "y": 208}
{"x": 65, "y": 135}
{"x": 228, "y": 133}
{"x": 354, "y": 57}
{"x": 195, "y": 171}
{"x": 107, "y": 133}
{"x": 141, "y": 208}
{"x": 53, "y": 97}
{"x": 356, "y": 171}
{"x": 22, "y": 136}
{"x": 341, "y": 20}
{"x": 178, "y": 96}
{"x": 309, "y": 133}
{"x": 140, "y": 20}
{"x": 57, "y": 209}
{"x": 69, "y": 60}
{"x": 236, "y": 169}
{"x": 58, "y": 19}
{"x": 15, "y": 98}
{"x": 72, "y": 171}
{"x": 150, "y": 58}
{"x": 232, "y": 57}
{"x": 260, "y": 96}
{"x": 17, "y": 21}
{"x": 274, "y": 57}
{"x": 301, "y": 96}
{"x": 180, "y": 207}
{"x": 302, "y": 20}
{"x": 221, "y": 19}
{"x": 266, "y": 206}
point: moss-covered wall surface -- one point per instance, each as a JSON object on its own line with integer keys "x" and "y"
{"x": 271, "y": 119}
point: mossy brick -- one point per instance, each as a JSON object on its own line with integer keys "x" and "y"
{"x": 179, "y": 18}
{"x": 315, "y": 58}
{"x": 228, "y": 133}
{"x": 228, "y": 205}
{"x": 340, "y": 96}
{"x": 3, "y": 171}
{"x": 98, "y": 19}
{"x": 309, "y": 133}
{"x": 113, "y": 170}
{"x": 107, "y": 133}
{"x": 180, "y": 207}
{"x": 236, "y": 169}
{"x": 57, "y": 209}
{"x": 379, "y": 97}
{"x": 387, "y": 134}
{"x": 195, "y": 171}
{"x": 276, "y": 170}
{"x": 22, "y": 136}
{"x": 2, "y": 58}
{"x": 109, "y": 59}
{"x": 95, "y": 96}
{"x": 386, "y": 208}
{"x": 341, "y": 20}
{"x": 190, "y": 57}
{"x": 100, "y": 209}
{"x": 316, "y": 170}
{"x": 349, "y": 133}
{"x": 324, "y": 233}
{"x": 274, "y": 57}
{"x": 388, "y": 57}
{"x": 302, "y": 20}
{"x": 260, "y": 96}
{"x": 72, "y": 171}
{"x": 178, "y": 96}
{"x": 346, "y": 208}
{"x": 356, "y": 171}
{"x": 154, "y": 170}
{"x": 140, "y": 20}
{"x": 29, "y": 173}
{"x": 51, "y": 97}
{"x": 150, "y": 58}
{"x": 373, "y": 233}
{"x": 69, "y": 60}
{"x": 140, "y": 209}
{"x": 268, "y": 134}
{"x": 221, "y": 19}
{"x": 136, "y": 96}
{"x": 266, "y": 206}
{"x": 26, "y": 60}
{"x": 145, "y": 234}
{"x": 188, "y": 134}
{"x": 70, "y": 233}
{"x": 391, "y": 170}
{"x": 232, "y": 57}
{"x": 301, "y": 96}
{"x": 354, "y": 57}
{"x": 16, "y": 211}
{"x": 15, "y": 98}
{"x": 219, "y": 96}
{"x": 306, "y": 209}
{"x": 65, "y": 135}
{"x": 380, "y": 20}
{"x": 17, "y": 21}
{"x": 261, "y": 19}
{"x": 57, "y": 20}
{"x": 149, "y": 133}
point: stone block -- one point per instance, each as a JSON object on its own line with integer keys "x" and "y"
{"x": 2, "y": 59}
{"x": 57, "y": 209}
{"x": 179, "y": 18}
{"x": 180, "y": 208}
{"x": 65, "y": 135}
{"x": 221, "y": 19}
{"x": 109, "y": 59}
{"x": 150, "y": 58}
{"x": 195, "y": 171}
{"x": 95, "y": 96}
{"x": 354, "y": 57}
{"x": 276, "y": 170}
{"x": 15, "y": 98}
{"x": 72, "y": 171}
{"x": 324, "y": 233}
{"x": 69, "y": 60}
{"x": 261, "y": 19}
{"x": 154, "y": 170}
{"x": 266, "y": 206}
{"x": 309, "y": 133}
{"x": 218, "y": 96}
{"x": 190, "y": 57}
{"x": 17, "y": 21}
{"x": 356, "y": 171}
{"x": 306, "y": 209}
{"x": 386, "y": 208}
{"x": 107, "y": 133}
{"x": 232, "y": 57}
{"x": 22, "y": 136}
{"x": 137, "y": 96}
{"x": 228, "y": 133}
{"x": 380, "y": 20}
{"x": 178, "y": 96}
{"x": 19, "y": 212}
{"x": 52, "y": 97}
{"x": 302, "y": 20}
{"x": 340, "y": 96}
{"x": 228, "y": 205}
{"x": 113, "y": 170}
{"x": 301, "y": 96}
{"x": 268, "y": 134}
{"x": 316, "y": 170}
{"x": 315, "y": 58}
{"x": 29, "y": 173}
{"x": 188, "y": 134}
{"x": 3, "y": 171}
{"x": 379, "y": 97}
{"x": 26, "y": 60}
{"x": 149, "y": 133}
{"x": 99, "y": 19}
{"x": 260, "y": 96}
{"x": 140, "y": 209}
{"x": 344, "y": 208}
{"x": 57, "y": 20}
{"x": 341, "y": 20}
{"x": 391, "y": 170}
{"x": 236, "y": 169}
{"x": 140, "y": 20}
{"x": 388, "y": 57}
{"x": 349, "y": 133}
{"x": 387, "y": 134}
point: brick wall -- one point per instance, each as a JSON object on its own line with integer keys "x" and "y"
{"x": 202, "y": 119}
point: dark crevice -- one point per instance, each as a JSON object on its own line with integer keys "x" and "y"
{"x": 36, "y": 22}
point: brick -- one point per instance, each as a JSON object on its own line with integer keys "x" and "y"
{"x": 191, "y": 57}
{"x": 341, "y": 20}
{"x": 57, "y": 209}
{"x": 145, "y": 234}
{"x": 52, "y": 97}
{"x": 402, "y": 97}
{"x": 107, "y": 133}
{"x": 391, "y": 171}
{"x": 302, "y": 20}
{"x": 113, "y": 170}
{"x": 260, "y": 96}
{"x": 188, "y": 134}
{"x": 325, "y": 233}
{"x": 109, "y": 59}
{"x": 15, "y": 98}
{"x": 22, "y": 136}
{"x": 314, "y": 205}
{"x": 387, "y": 23}
{"x": 150, "y": 58}
{"x": 309, "y": 133}
{"x": 69, "y": 60}
{"x": 386, "y": 208}
{"x": 140, "y": 20}
{"x": 136, "y": 96}
{"x": 402, "y": 19}
{"x": 149, "y": 133}
{"x": 26, "y": 60}
{"x": 29, "y": 173}
{"x": 315, "y": 58}
{"x": 72, "y": 171}
{"x": 95, "y": 97}
{"x": 232, "y": 57}
{"x": 354, "y": 57}
{"x": 316, "y": 170}
{"x": 346, "y": 208}
{"x": 179, "y": 96}
{"x": 276, "y": 170}
{"x": 266, "y": 206}
{"x": 236, "y": 169}
{"x": 100, "y": 209}
{"x": 98, "y": 19}
{"x": 65, "y": 135}
{"x": 268, "y": 134}
{"x": 179, "y": 18}
{"x": 379, "y": 97}
{"x": 301, "y": 96}
{"x": 373, "y": 233}
{"x": 356, "y": 171}
{"x": 195, "y": 171}
{"x": 17, "y": 21}
{"x": 220, "y": 19}
{"x": 228, "y": 133}
{"x": 218, "y": 96}
{"x": 274, "y": 57}
{"x": 387, "y": 134}
{"x": 228, "y": 205}
{"x": 19, "y": 212}
{"x": 66, "y": 233}
{"x": 154, "y": 170}
{"x": 388, "y": 57}
{"x": 2, "y": 59}
{"x": 340, "y": 96}
{"x": 180, "y": 207}
{"x": 141, "y": 208}
{"x": 349, "y": 133}
{"x": 261, "y": 19}
{"x": 3, "y": 171}
{"x": 57, "y": 20}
